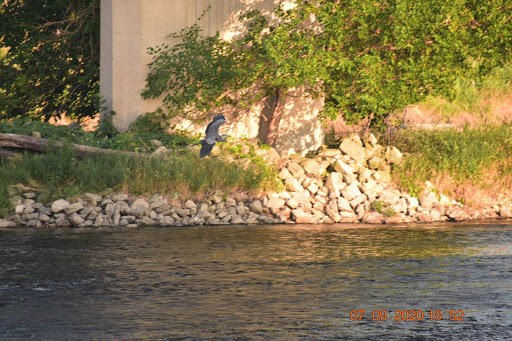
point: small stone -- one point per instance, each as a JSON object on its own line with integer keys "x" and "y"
{"x": 230, "y": 202}
{"x": 116, "y": 215}
{"x": 292, "y": 185}
{"x": 19, "y": 209}
{"x": 157, "y": 203}
{"x": 292, "y": 203}
{"x": 313, "y": 188}
{"x": 106, "y": 202}
{"x": 136, "y": 212}
{"x": 240, "y": 210}
{"x": 140, "y": 204}
{"x": 353, "y": 149}
{"x": 334, "y": 215}
{"x": 119, "y": 197}
{"x": 190, "y": 204}
{"x": 29, "y": 195}
{"x": 311, "y": 166}
{"x": 335, "y": 183}
{"x": 256, "y": 206}
{"x": 373, "y": 218}
{"x": 389, "y": 197}
{"x": 341, "y": 167}
{"x": 99, "y": 220}
{"x": 161, "y": 152}
{"x": 44, "y": 218}
{"x": 398, "y": 219}
{"x": 34, "y": 223}
{"x": 428, "y": 201}
{"x": 76, "y": 219}
{"x": 296, "y": 170}
{"x": 265, "y": 219}
{"x": 457, "y": 214}
{"x": 7, "y": 223}
{"x": 62, "y": 222}
{"x": 59, "y": 205}
{"x": 237, "y": 221}
{"x": 183, "y": 212}
{"x": 29, "y": 216}
{"x": 93, "y": 198}
{"x": 73, "y": 208}
{"x": 302, "y": 198}
{"x": 505, "y": 212}
{"x": 109, "y": 212}
{"x": 166, "y": 221}
{"x": 275, "y": 203}
{"x": 351, "y": 191}
{"x": 375, "y": 163}
{"x": 301, "y": 217}
{"x": 329, "y": 153}
{"x": 393, "y": 155}
{"x": 412, "y": 203}
{"x": 147, "y": 221}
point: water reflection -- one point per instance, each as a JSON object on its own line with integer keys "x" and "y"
{"x": 263, "y": 282}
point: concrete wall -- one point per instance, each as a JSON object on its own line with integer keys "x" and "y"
{"x": 129, "y": 27}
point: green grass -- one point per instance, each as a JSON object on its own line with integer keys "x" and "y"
{"x": 478, "y": 156}
{"x": 132, "y": 140}
{"x": 476, "y": 99}
{"x": 58, "y": 173}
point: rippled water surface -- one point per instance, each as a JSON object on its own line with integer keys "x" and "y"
{"x": 257, "y": 283}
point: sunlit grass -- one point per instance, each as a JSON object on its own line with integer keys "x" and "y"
{"x": 478, "y": 157}
{"x": 476, "y": 103}
{"x": 59, "y": 173}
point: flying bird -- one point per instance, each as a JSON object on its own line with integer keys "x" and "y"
{"x": 212, "y": 135}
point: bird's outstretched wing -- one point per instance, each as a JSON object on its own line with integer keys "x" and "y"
{"x": 205, "y": 148}
{"x": 213, "y": 126}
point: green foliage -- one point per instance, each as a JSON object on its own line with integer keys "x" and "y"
{"x": 106, "y": 136}
{"x": 155, "y": 122}
{"x": 368, "y": 58}
{"x": 5, "y": 203}
{"x": 50, "y": 64}
{"x": 465, "y": 156}
{"x": 200, "y": 73}
{"x": 477, "y": 98}
{"x": 382, "y": 208}
{"x": 106, "y": 128}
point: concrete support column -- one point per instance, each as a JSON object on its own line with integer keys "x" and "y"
{"x": 122, "y": 69}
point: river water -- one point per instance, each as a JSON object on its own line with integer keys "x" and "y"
{"x": 285, "y": 282}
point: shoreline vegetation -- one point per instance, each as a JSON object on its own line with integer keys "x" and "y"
{"x": 439, "y": 161}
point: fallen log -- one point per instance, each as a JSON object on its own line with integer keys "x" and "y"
{"x": 41, "y": 144}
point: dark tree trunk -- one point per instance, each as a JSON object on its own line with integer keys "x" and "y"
{"x": 268, "y": 131}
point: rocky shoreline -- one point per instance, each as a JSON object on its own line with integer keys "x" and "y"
{"x": 351, "y": 184}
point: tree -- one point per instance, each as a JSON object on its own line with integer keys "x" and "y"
{"x": 51, "y": 61}
{"x": 367, "y": 58}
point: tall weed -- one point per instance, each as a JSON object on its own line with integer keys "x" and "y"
{"x": 473, "y": 156}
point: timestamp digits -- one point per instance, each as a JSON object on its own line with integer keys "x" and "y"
{"x": 407, "y": 315}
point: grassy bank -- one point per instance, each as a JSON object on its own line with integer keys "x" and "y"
{"x": 59, "y": 173}
{"x": 471, "y": 161}
{"x": 472, "y": 165}
{"x": 488, "y": 102}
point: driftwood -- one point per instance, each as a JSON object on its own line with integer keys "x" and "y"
{"x": 40, "y": 144}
